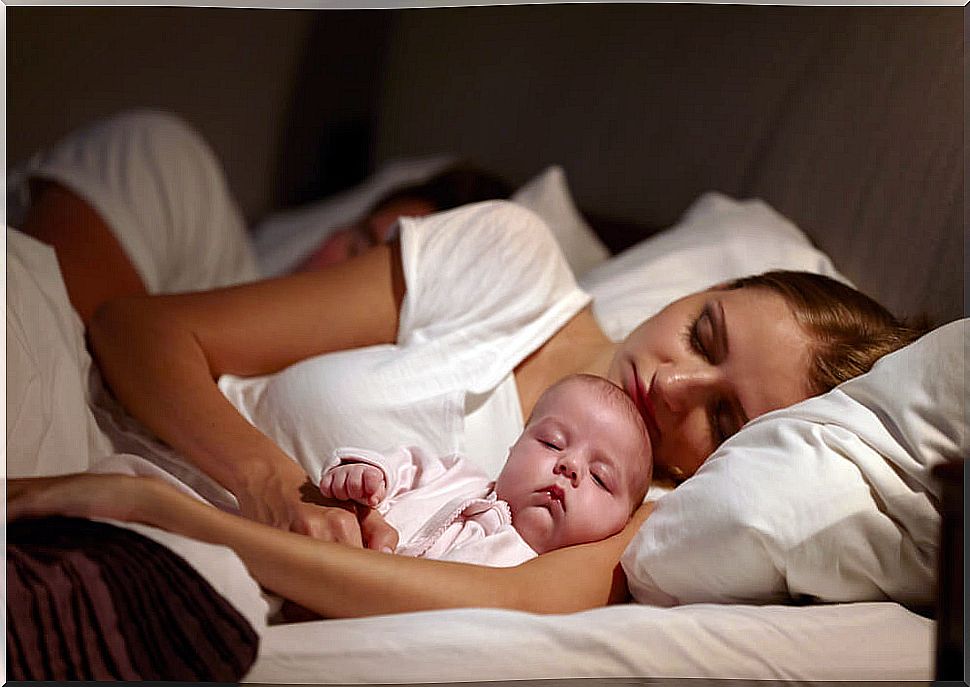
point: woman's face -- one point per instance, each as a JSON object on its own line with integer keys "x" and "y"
{"x": 705, "y": 365}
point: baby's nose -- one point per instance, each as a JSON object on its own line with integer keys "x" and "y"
{"x": 568, "y": 469}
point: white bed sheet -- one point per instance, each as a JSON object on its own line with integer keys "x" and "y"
{"x": 861, "y": 641}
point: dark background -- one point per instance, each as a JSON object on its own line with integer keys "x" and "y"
{"x": 848, "y": 120}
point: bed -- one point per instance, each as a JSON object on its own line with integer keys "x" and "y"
{"x": 740, "y": 640}
{"x": 717, "y": 238}
{"x": 854, "y": 176}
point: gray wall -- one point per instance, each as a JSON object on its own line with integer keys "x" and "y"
{"x": 848, "y": 120}
{"x": 229, "y": 72}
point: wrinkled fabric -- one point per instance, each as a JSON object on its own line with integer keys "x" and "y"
{"x": 442, "y": 508}
{"x": 90, "y": 601}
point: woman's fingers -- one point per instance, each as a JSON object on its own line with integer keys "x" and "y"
{"x": 39, "y": 496}
{"x": 283, "y": 505}
{"x": 377, "y": 533}
{"x": 19, "y": 497}
{"x": 329, "y": 524}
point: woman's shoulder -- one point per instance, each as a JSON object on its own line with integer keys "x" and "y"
{"x": 469, "y": 263}
{"x": 492, "y": 230}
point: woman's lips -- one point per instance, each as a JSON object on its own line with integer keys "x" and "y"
{"x": 643, "y": 402}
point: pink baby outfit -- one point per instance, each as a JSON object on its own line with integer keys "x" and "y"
{"x": 443, "y": 508}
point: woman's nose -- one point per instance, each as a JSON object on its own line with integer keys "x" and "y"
{"x": 682, "y": 388}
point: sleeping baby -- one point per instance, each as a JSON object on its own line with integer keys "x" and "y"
{"x": 577, "y": 472}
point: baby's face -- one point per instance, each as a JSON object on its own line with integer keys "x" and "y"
{"x": 579, "y": 468}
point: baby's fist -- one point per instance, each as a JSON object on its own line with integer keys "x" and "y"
{"x": 354, "y": 482}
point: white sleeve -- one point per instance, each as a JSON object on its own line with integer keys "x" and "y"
{"x": 486, "y": 284}
{"x": 162, "y": 192}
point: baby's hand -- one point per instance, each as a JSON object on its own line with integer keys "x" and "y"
{"x": 355, "y": 482}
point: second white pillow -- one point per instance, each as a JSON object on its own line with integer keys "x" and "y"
{"x": 547, "y": 195}
{"x": 717, "y": 239}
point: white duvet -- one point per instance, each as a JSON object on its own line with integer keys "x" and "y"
{"x": 50, "y": 430}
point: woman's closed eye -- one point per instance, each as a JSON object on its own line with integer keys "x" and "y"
{"x": 698, "y": 335}
{"x": 694, "y": 339}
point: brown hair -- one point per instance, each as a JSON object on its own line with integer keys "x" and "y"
{"x": 850, "y": 330}
{"x": 459, "y": 184}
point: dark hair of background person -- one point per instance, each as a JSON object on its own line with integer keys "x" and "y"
{"x": 459, "y": 184}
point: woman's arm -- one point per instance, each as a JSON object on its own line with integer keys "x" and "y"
{"x": 338, "y": 581}
{"x": 93, "y": 263}
{"x": 161, "y": 356}
{"x": 335, "y": 580}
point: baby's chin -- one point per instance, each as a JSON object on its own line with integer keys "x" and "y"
{"x": 535, "y": 527}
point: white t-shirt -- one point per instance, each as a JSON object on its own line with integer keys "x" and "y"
{"x": 153, "y": 179}
{"x": 486, "y": 286}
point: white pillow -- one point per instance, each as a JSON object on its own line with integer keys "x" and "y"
{"x": 547, "y": 195}
{"x": 50, "y": 429}
{"x": 829, "y": 499}
{"x": 717, "y": 239}
{"x": 285, "y": 238}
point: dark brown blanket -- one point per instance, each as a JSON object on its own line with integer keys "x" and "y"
{"x": 91, "y": 601}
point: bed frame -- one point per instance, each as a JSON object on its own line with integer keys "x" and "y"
{"x": 951, "y": 581}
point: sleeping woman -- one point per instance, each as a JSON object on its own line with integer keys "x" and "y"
{"x": 444, "y": 338}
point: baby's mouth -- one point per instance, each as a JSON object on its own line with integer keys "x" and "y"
{"x": 555, "y": 494}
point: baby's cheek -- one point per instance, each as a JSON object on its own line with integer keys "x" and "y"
{"x": 617, "y": 517}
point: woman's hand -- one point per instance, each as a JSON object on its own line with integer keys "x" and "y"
{"x": 286, "y": 498}
{"x": 143, "y": 499}
{"x": 118, "y": 497}
{"x": 375, "y": 530}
